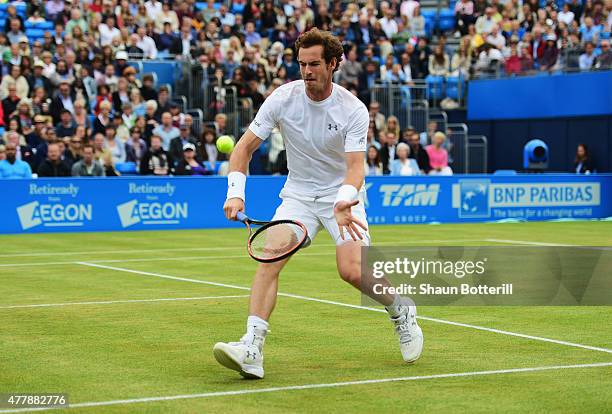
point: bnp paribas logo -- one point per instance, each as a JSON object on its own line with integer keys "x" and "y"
{"x": 151, "y": 213}
{"x": 35, "y": 214}
{"x": 471, "y": 198}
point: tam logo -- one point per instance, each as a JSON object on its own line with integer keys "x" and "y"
{"x": 395, "y": 195}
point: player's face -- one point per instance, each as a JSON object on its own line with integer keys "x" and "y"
{"x": 317, "y": 74}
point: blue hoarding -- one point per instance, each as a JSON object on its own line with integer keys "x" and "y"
{"x": 559, "y": 95}
{"x": 90, "y": 204}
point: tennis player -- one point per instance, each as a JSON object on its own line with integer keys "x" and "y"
{"x": 324, "y": 128}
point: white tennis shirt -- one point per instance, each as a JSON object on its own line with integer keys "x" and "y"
{"x": 316, "y": 134}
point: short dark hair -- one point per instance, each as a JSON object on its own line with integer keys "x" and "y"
{"x": 89, "y": 146}
{"x": 332, "y": 48}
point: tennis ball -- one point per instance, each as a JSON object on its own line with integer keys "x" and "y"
{"x": 225, "y": 144}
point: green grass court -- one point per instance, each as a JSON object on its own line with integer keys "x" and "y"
{"x": 105, "y": 336}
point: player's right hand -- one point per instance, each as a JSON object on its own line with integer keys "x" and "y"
{"x": 232, "y": 206}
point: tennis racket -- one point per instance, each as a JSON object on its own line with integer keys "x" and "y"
{"x": 273, "y": 240}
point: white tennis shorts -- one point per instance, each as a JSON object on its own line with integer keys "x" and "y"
{"x": 317, "y": 214}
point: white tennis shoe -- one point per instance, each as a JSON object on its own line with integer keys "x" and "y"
{"x": 245, "y": 356}
{"x": 238, "y": 356}
{"x": 409, "y": 332}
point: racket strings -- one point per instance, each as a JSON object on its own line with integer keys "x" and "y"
{"x": 277, "y": 240}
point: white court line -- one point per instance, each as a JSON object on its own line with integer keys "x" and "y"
{"x": 531, "y": 243}
{"x": 155, "y": 259}
{"x": 315, "y": 386}
{"x": 174, "y": 258}
{"x": 110, "y": 302}
{"x": 238, "y": 247}
{"x": 347, "y": 305}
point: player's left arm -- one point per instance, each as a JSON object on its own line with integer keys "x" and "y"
{"x": 355, "y": 143}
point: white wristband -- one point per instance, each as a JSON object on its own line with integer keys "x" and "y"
{"x": 346, "y": 193}
{"x": 236, "y": 183}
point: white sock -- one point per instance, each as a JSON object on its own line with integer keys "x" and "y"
{"x": 394, "y": 309}
{"x": 256, "y": 331}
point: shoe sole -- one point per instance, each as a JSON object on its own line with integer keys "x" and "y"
{"x": 227, "y": 361}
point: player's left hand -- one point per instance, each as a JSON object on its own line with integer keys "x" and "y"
{"x": 346, "y": 220}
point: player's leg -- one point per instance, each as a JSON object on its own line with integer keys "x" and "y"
{"x": 402, "y": 311}
{"x": 246, "y": 355}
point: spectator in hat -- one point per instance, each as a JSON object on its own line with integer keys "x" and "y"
{"x": 11, "y": 167}
{"x": 35, "y": 138}
{"x": 24, "y": 47}
{"x": 550, "y": 53}
{"x": 188, "y": 165}
{"x": 177, "y": 144}
{"x": 166, "y": 131}
{"x": 121, "y": 58}
{"x": 53, "y": 166}
{"x": 14, "y": 78}
{"x": 88, "y": 166}
{"x": 289, "y": 65}
{"x": 37, "y": 79}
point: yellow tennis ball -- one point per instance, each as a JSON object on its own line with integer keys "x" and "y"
{"x": 225, "y": 144}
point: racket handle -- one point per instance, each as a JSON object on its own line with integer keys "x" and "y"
{"x": 241, "y": 217}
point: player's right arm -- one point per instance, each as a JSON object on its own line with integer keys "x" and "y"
{"x": 259, "y": 130}
{"x": 236, "y": 179}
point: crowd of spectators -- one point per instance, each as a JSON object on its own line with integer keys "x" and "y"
{"x": 71, "y": 92}
{"x": 408, "y": 152}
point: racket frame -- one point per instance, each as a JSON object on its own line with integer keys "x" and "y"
{"x": 265, "y": 225}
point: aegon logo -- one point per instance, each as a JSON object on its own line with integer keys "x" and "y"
{"x": 134, "y": 212}
{"x": 410, "y": 194}
{"x": 53, "y": 215}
